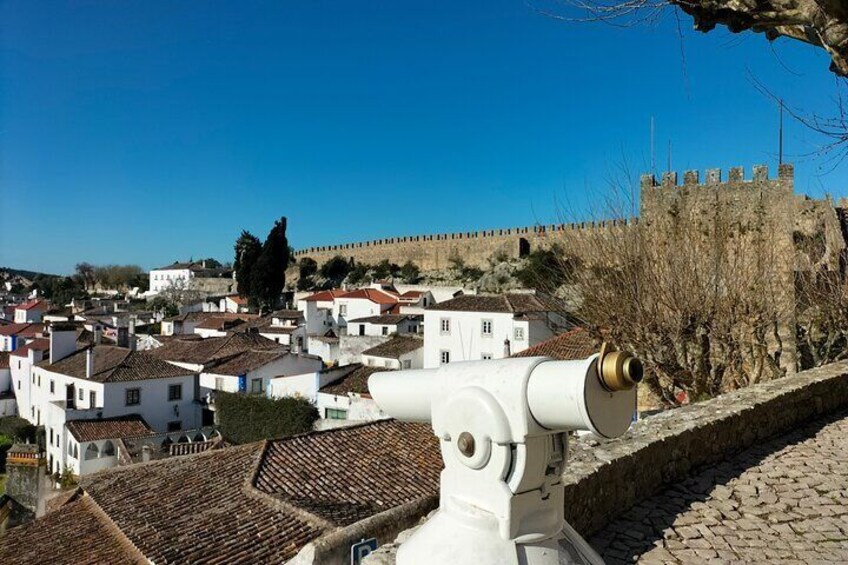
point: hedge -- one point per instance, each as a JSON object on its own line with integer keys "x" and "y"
{"x": 243, "y": 418}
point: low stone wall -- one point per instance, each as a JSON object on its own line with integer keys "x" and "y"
{"x": 602, "y": 479}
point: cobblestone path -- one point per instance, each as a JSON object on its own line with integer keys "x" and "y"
{"x": 784, "y": 501}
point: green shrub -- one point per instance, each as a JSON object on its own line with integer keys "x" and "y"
{"x": 244, "y": 418}
{"x": 18, "y": 429}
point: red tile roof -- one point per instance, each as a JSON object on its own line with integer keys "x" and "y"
{"x": 14, "y": 329}
{"x": 240, "y": 300}
{"x": 79, "y": 533}
{"x": 4, "y": 359}
{"x": 115, "y": 365}
{"x": 35, "y": 304}
{"x": 575, "y": 344}
{"x": 256, "y": 503}
{"x": 324, "y": 296}
{"x": 109, "y": 428}
{"x": 372, "y": 294}
{"x": 38, "y": 344}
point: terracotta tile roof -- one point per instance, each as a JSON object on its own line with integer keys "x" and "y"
{"x": 288, "y": 314}
{"x": 372, "y": 294}
{"x": 385, "y": 319}
{"x": 76, "y": 534}
{"x": 349, "y": 474}
{"x": 262, "y": 502}
{"x": 220, "y": 323}
{"x": 115, "y": 365}
{"x": 38, "y": 344}
{"x": 356, "y": 381}
{"x": 213, "y": 349}
{"x": 412, "y": 294}
{"x": 201, "y": 316}
{"x": 35, "y": 304}
{"x": 575, "y": 344}
{"x": 506, "y": 303}
{"x": 243, "y": 363}
{"x": 34, "y": 330}
{"x": 395, "y": 347}
{"x": 109, "y": 428}
{"x": 278, "y": 330}
{"x": 325, "y": 296}
{"x": 240, "y": 300}
{"x": 4, "y": 359}
{"x": 14, "y": 329}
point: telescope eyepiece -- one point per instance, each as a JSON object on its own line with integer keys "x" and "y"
{"x": 619, "y": 371}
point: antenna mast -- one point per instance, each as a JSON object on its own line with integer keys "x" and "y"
{"x": 780, "y": 148}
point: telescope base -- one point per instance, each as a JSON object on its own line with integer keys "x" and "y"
{"x": 444, "y": 539}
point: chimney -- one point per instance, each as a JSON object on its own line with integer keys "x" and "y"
{"x": 145, "y": 453}
{"x": 98, "y": 334}
{"x": 89, "y": 362}
{"x": 63, "y": 341}
{"x": 507, "y": 348}
{"x": 132, "y": 326}
{"x": 123, "y": 337}
{"x": 133, "y": 342}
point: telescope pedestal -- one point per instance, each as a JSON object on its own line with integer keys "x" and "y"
{"x": 473, "y": 539}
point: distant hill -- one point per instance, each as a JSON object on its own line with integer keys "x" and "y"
{"x": 20, "y": 276}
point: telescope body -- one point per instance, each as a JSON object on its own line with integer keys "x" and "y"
{"x": 502, "y": 427}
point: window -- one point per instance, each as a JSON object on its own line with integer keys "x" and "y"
{"x": 256, "y": 386}
{"x": 519, "y": 334}
{"x": 444, "y": 326}
{"x": 52, "y": 386}
{"x": 486, "y": 356}
{"x": 342, "y": 309}
{"x": 487, "y": 327}
{"x": 387, "y": 363}
{"x": 407, "y": 364}
{"x": 81, "y": 394}
{"x": 334, "y": 414}
{"x": 108, "y": 448}
{"x": 33, "y": 378}
{"x": 133, "y": 396}
{"x": 92, "y": 399}
{"x": 385, "y": 330}
{"x": 175, "y": 392}
{"x": 51, "y": 435}
{"x": 445, "y": 357}
{"x": 219, "y": 383}
{"x": 19, "y": 384}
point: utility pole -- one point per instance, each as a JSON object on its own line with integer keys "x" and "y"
{"x": 780, "y": 141}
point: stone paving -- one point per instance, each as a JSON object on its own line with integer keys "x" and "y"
{"x": 784, "y": 501}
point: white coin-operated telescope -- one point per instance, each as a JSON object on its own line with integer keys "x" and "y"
{"x": 503, "y": 429}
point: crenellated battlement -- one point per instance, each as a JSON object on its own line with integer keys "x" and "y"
{"x": 539, "y": 230}
{"x": 476, "y": 248}
{"x": 713, "y": 177}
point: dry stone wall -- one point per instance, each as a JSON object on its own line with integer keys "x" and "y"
{"x": 603, "y": 479}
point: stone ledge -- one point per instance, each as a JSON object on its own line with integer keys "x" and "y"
{"x": 603, "y": 479}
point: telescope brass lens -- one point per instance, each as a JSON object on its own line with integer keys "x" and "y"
{"x": 619, "y": 371}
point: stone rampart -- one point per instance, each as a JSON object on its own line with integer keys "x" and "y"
{"x": 433, "y": 252}
{"x": 603, "y": 479}
{"x": 752, "y": 197}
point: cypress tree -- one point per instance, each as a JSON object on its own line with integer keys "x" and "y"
{"x": 248, "y": 248}
{"x": 269, "y": 273}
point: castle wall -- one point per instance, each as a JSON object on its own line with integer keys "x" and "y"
{"x": 475, "y": 249}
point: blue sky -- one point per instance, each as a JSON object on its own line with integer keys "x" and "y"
{"x": 144, "y": 131}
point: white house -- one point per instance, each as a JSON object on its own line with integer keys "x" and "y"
{"x": 217, "y": 326}
{"x": 13, "y": 336}
{"x": 318, "y": 311}
{"x": 347, "y": 401}
{"x": 307, "y": 385}
{"x": 181, "y": 274}
{"x": 400, "y": 352}
{"x": 234, "y": 304}
{"x": 327, "y": 347}
{"x": 287, "y": 327}
{"x": 362, "y": 303}
{"x": 99, "y": 381}
{"x": 386, "y": 324}
{"x": 241, "y": 362}
{"x": 474, "y": 327}
{"x": 8, "y": 404}
{"x": 30, "y": 312}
